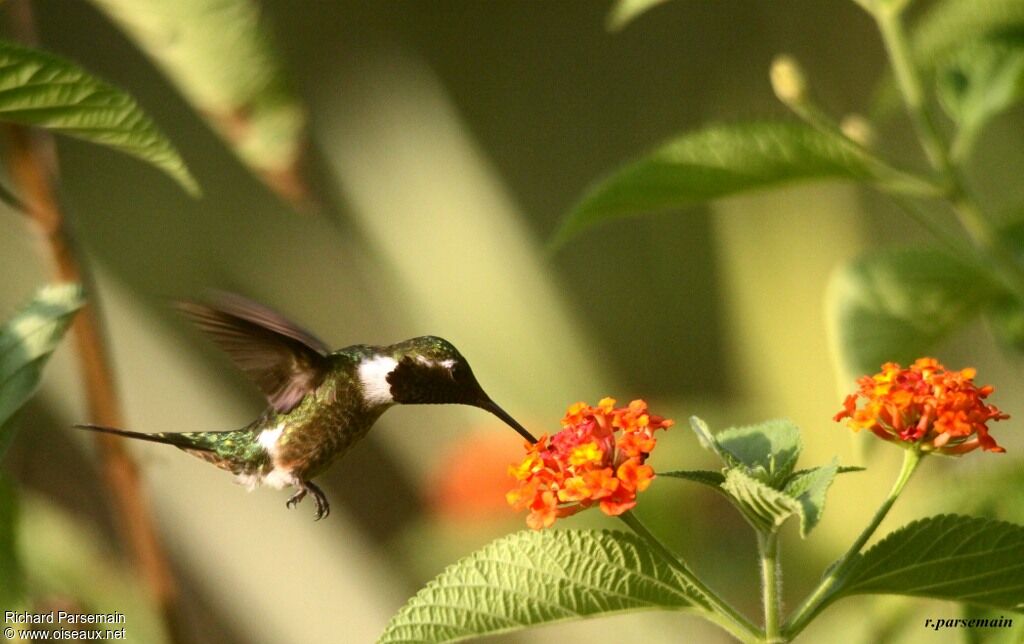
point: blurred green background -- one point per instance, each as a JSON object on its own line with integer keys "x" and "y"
{"x": 448, "y": 140}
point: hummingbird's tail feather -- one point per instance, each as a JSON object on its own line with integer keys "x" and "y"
{"x": 183, "y": 441}
{"x": 233, "y": 450}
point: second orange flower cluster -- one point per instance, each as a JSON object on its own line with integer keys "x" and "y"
{"x": 927, "y": 405}
{"x": 597, "y": 457}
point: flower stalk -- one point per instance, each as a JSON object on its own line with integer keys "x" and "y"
{"x": 817, "y": 599}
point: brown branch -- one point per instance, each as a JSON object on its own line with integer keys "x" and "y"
{"x": 133, "y": 516}
{"x": 32, "y": 164}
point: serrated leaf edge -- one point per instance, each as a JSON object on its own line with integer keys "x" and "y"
{"x": 684, "y": 590}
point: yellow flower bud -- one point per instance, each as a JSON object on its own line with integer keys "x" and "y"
{"x": 788, "y": 80}
{"x": 857, "y": 129}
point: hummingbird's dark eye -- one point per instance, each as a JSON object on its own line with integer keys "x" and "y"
{"x": 461, "y": 372}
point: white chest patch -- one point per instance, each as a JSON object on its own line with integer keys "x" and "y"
{"x": 373, "y": 375}
{"x": 277, "y": 477}
{"x": 268, "y": 439}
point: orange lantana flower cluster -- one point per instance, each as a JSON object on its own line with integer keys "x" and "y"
{"x": 927, "y": 405}
{"x": 597, "y": 457}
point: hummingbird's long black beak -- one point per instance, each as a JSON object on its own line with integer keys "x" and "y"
{"x": 493, "y": 407}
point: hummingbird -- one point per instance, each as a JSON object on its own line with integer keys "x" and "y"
{"x": 320, "y": 402}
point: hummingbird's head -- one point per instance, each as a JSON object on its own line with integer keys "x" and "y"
{"x": 430, "y": 371}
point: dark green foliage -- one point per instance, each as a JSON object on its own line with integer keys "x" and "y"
{"x": 37, "y": 88}
{"x": 531, "y": 578}
{"x": 715, "y": 162}
{"x": 967, "y": 559}
{"x": 26, "y": 341}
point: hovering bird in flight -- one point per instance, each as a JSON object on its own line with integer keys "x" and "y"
{"x": 321, "y": 402}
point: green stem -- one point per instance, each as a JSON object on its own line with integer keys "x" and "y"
{"x": 768, "y": 547}
{"x": 817, "y": 599}
{"x": 980, "y": 230}
{"x": 720, "y": 611}
{"x": 890, "y": 24}
{"x": 955, "y": 244}
{"x": 886, "y": 176}
{"x": 899, "y": 183}
{"x": 1006, "y": 265}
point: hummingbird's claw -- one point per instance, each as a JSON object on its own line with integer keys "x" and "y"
{"x": 294, "y": 499}
{"x": 323, "y": 508}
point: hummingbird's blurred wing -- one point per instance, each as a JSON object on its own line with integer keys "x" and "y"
{"x": 285, "y": 361}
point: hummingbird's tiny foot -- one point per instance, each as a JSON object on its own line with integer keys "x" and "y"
{"x": 294, "y": 499}
{"x": 323, "y": 508}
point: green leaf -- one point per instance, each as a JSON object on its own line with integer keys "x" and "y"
{"x": 704, "y": 435}
{"x": 40, "y": 89}
{"x": 958, "y": 558}
{"x": 13, "y": 587}
{"x": 707, "y": 477}
{"x": 897, "y": 305}
{"x": 951, "y": 23}
{"x": 982, "y": 80}
{"x": 842, "y": 469}
{"x": 767, "y": 508}
{"x": 709, "y": 442}
{"x": 945, "y": 27}
{"x": 759, "y": 477}
{"x": 809, "y": 489}
{"x": 806, "y": 487}
{"x": 26, "y": 341}
{"x": 626, "y": 11}
{"x": 531, "y": 578}
{"x": 768, "y": 450}
{"x": 222, "y": 57}
{"x": 764, "y": 507}
{"x": 717, "y": 162}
